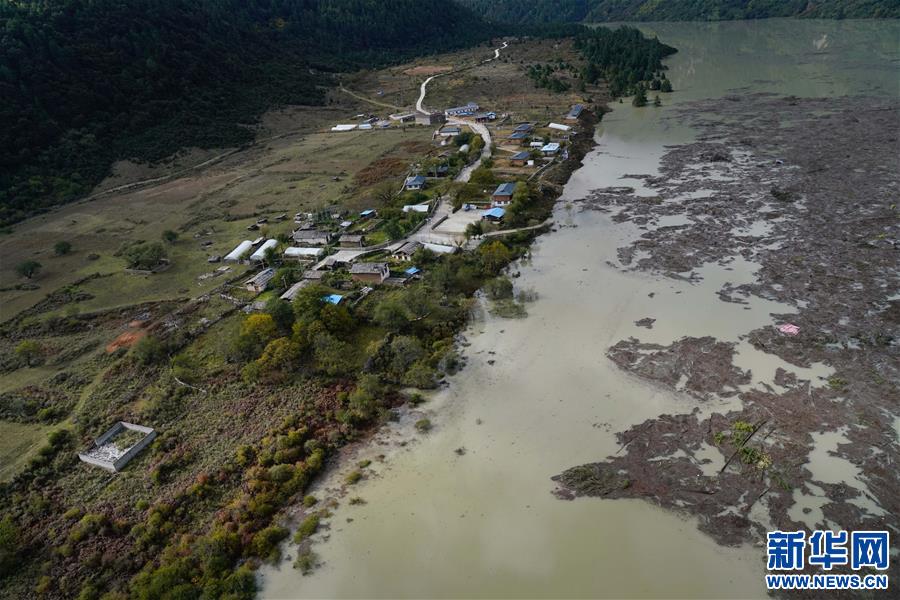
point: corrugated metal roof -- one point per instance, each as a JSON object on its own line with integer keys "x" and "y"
{"x": 524, "y": 155}
{"x": 496, "y": 213}
{"x": 505, "y": 189}
{"x": 333, "y": 298}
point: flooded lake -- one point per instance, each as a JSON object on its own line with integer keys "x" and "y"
{"x": 466, "y": 510}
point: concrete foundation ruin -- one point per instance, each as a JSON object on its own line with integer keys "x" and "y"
{"x": 118, "y": 445}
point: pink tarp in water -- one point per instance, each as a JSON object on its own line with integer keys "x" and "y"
{"x": 789, "y": 329}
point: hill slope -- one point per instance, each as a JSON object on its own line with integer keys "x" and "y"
{"x": 86, "y": 82}
{"x": 546, "y": 11}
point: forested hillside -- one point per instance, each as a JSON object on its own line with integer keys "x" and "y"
{"x": 86, "y": 82}
{"x": 546, "y": 11}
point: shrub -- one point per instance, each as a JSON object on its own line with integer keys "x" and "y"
{"x": 306, "y": 562}
{"x": 169, "y": 236}
{"x": 499, "y": 288}
{"x": 31, "y": 352}
{"x": 308, "y": 527}
{"x": 423, "y": 425}
{"x": 144, "y": 256}
{"x": 62, "y": 248}
{"x": 309, "y": 500}
{"x": 28, "y": 268}
{"x": 265, "y": 542}
{"x": 353, "y": 477}
{"x": 9, "y": 546}
{"x": 149, "y": 351}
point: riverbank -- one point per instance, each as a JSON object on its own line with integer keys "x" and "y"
{"x": 800, "y": 193}
{"x": 409, "y": 422}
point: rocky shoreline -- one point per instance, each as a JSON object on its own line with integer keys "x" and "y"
{"x": 807, "y": 190}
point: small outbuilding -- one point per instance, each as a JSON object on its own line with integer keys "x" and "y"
{"x": 419, "y": 208}
{"x": 406, "y": 251}
{"x": 494, "y": 215}
{"x": 259, "y": 282}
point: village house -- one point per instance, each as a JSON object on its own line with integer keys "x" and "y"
{"x": 368, "y": 213}
{"x": 433, "y": 118}
{"x": 349, "y": 240}
{"x": 449, "y": 131}
{"x": 373, "y": 272}
{"x": 520, "y": 159}
{"x": 519, "y": 137}
{"x": 494, "y": 215}
{"x": 550, "y": 149}
{"x": 575, "y": 112}
{"x": 558, "y": 127}
{"x": 332, "y": 298}
{"x": 312, "y": 237}
{"x": 303, "y": 254}
{"x": 406, "y": 251}
{"x": 314, "y": 275}
{"x": 461, "y": 111}
{"x": 438, "y": 170}
{"x": 292, "y": 291}
{"x": 524, "y": 128}
{"x": 502, "y": 196}
{"x": 415, "y": 183}
{"x": 485, "y": 117}
{"x": 259, "y": 282}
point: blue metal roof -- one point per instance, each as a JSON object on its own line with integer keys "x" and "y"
{"x": 576, "y": 110}
{"x": 417, "y": 180}
{"x": 505, "y": 189}
{"x": 411, "y": 271}
{"x": 367, "y": 212}
{"x": 519, "y": 135}
{"x": 496, "y": 212}
{"x": 523, "y": 155}
{"x": 524, "y": 127}
{"x": 333, "y": 298}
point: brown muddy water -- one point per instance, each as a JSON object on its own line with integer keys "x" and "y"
{"x": 539, "y": 395}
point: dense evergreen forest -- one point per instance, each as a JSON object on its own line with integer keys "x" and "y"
{"x": 622, "y": 57}
{"x": 86, "y": 82}
{"x": 547, "y": 11}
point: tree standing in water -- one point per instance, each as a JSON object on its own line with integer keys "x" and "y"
{"x": 640, "y": 96}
